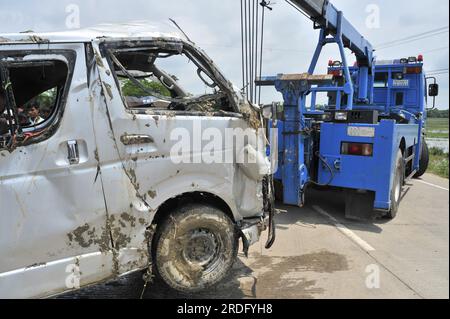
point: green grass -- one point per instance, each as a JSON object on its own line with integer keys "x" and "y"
{"x": 437, "y": 135}
{"x": 437, "y": 128}
{"x": 438, "y": 162}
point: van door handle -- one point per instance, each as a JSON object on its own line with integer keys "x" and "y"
{"x": 73, "y": 153}
{"x": 133, "y": 139}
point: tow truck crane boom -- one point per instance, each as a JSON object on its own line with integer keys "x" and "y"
{"x": 335, "y": 28}
{"x": 326, "y": 16}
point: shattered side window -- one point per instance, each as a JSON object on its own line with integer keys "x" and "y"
{"x": 36, "y": 92}
{"x": 167, "y": 80}
{"x": 36, "y": 87}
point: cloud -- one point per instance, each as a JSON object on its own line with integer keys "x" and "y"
{"x": 289, "y": 36}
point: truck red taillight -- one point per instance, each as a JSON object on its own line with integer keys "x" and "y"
{"x": 357, "y": 149}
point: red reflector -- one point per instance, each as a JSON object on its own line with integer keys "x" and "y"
{"x": 357, "y": 149}
{"x": 413, "y": 70}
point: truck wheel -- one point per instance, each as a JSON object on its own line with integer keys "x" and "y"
{"x": 195, "y": 248}
{"x": 396, "y": 192}
{"x": 424, "y": 160}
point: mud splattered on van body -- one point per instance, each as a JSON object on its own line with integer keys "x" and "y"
{"x": 124, "y": 180}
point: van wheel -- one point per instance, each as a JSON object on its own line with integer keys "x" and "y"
{"x": 195, "y": 248}
{"x": 396, "y": 192}
{"x": 424, "y": 160}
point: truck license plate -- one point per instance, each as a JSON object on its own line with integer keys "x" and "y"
{"x": 401, "y": 83}
{"x": 358, "y": 131}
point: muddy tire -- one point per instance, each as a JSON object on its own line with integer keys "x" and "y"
{"x": 424, "y": 160}
{"x": 396, "y": 191}
{"x": 195, "y": 248}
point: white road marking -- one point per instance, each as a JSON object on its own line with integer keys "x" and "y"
{"x": 433, "y": 185}
{"x": 344, "y": 230}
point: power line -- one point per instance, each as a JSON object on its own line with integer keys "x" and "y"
{"x": 256, "y": 49}
{"x": 438, "y": 70}
{"x": 438, "y": 73}
{"x": 245, "y": 35}
{"x": 242, "y": 44}
{"x": 413, "y": 38}
{"x": 270, "y": 49}
{"x": 437, "y": 49}
{"x": 266, "y": 49}
{"x": 251, "y": 42}
{"x": 261, "y": 50}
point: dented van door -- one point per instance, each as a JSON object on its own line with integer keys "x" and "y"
{"x": 53, "y": 225}
{"x": 156, "y": 137}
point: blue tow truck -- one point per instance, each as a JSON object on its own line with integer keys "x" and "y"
{"x": 368, "y": 139}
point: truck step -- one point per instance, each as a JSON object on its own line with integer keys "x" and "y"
{"x": 410, "y": 176}
{"x": 409, "y": 159}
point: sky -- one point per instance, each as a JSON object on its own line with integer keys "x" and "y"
{"x": 290, "y": 39}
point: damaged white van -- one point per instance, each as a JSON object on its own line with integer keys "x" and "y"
{"x": 115, "y": 156}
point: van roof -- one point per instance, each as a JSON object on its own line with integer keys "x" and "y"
{"x": 131, "y": 30}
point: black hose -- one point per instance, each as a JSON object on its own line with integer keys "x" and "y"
{"x": 303, "y": 190}
{"x": 272, "y": 227}
{"x": 329, "y": 168}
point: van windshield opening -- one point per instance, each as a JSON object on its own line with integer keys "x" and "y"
{"x": 167, "y": 80}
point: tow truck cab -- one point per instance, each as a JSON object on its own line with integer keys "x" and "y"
{"x": 361, "y": 145}
{"x": 368, "y": 149}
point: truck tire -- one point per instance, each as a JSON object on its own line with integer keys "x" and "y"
{"x": 195, "y": 248}
{"x": 424, "y": 160}
{"x": 396, "y": 191}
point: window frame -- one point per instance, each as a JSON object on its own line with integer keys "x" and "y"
{"x": 107, "y": 48}
{"x": 386, "y": 83}
{"x": 24, "y": 136}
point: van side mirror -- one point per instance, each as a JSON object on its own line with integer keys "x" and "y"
{"x": 433, "y": 90}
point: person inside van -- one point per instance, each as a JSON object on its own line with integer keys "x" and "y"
{"x": 34, "y": 114}
{"x": 3, "y": 122}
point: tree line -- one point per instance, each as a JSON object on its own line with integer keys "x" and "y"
{"x": 438, "y": 113}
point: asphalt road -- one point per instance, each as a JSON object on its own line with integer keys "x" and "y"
{"x": 320, "y": 254}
